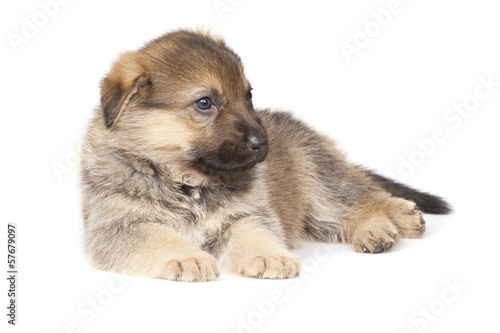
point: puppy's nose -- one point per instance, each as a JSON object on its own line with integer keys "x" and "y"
{"x": 257, "y": 144}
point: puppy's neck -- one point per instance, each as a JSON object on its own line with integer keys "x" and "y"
{"x": 194, "y": 178}
{"x": 175, "y": 176}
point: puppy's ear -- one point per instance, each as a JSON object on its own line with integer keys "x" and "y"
{"x": 122, "y": 85}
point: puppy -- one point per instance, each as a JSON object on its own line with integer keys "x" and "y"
{"x": 181, "y": 176}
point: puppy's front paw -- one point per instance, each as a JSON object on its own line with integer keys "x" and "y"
{"x": 195, "y": 268}
{"x": 269, "y": 266}
{"x": 374, "y": 236}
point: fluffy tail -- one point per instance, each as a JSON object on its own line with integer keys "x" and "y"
{"x": 426, "y": 202}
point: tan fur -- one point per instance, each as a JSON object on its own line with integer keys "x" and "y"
{"x": 254, "y": 251}
{"x": 179, "y": 260}
{"x": 177, "y": 191}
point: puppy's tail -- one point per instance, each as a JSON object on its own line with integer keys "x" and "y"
{"x": 426, "y": 202}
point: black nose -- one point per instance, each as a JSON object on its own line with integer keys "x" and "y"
{"x": 258, "y": 145}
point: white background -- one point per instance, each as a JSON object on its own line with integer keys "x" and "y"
{"x": 395, "y": 91}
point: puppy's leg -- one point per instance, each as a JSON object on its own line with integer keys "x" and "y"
{"x": 255, "y": 251}
{"x": 150, "y": 250}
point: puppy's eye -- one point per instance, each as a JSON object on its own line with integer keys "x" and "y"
{"x": 249, "y": 95}
{"x": 205, "y": 105}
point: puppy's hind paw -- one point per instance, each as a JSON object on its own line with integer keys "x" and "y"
{"x": 407, "y": 218}
{"x": 374, "y": 237}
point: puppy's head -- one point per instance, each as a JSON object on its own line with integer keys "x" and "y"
{"x": 183, "y": 100}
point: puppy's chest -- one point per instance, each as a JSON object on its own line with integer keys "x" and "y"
{"x": 194, "y": 202}
{"x": 196, "y": 207}
{"x": 173, "y": 200}
{"x": 199, "y": 213}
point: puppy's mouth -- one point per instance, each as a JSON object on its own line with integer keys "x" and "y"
{"x": 210, "y": 165}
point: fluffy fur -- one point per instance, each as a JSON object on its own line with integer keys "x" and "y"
{"x": 175, "y": 191}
